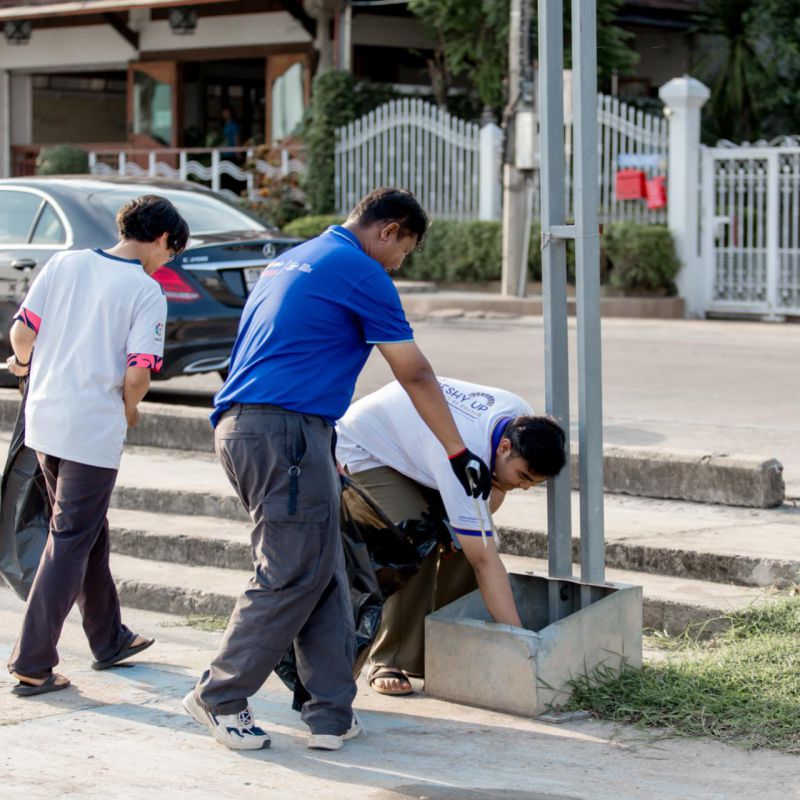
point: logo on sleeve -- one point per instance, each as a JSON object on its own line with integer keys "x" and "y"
{"x": 159, "y": 331}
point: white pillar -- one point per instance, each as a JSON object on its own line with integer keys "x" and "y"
{"x": 684, "y": 98}
{"x": 490, "y": 182}
{"x": 346, "y": 36}
{"x": 5, "y": 124}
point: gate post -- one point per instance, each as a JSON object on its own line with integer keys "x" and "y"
{"x": 684, "y": 98}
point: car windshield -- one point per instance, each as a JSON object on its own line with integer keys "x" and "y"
{"x": 203, "y": 213}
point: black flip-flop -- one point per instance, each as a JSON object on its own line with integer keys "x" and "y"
{"x": 126, "y": 651}
{"x": 23, "y": 689}
{"x": 389, "y": 674}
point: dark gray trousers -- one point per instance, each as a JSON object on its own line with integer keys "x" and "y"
{"x": 74, "y": 568}
{"x": 281, "y": 465}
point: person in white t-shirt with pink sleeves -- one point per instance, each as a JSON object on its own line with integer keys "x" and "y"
{"x": 388, "y": 450}
{"x": 89, "y": 331}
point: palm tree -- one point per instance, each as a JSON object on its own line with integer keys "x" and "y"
{"x": 733, "y": 68}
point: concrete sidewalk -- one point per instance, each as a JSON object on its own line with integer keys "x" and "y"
{"x": 122, "y": 734}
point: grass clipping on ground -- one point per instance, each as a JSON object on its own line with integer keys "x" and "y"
{"x": 742, "y": 687}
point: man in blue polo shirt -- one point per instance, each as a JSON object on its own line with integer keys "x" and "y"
{"x": 305, "y": 334}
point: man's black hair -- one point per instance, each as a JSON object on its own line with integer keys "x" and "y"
{"x": 145, "y": 218}
{"x": 389, "y": 204}
{"x": 540, "y": 442}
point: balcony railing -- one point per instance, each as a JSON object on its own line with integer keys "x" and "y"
{"x": 232, "y": 171}
{"x": 236, "y": 172}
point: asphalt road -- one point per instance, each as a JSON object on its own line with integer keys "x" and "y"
{"x": 716, "y": 386}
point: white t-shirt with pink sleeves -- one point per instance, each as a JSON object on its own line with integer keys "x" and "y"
{"x": 94, "y": 315}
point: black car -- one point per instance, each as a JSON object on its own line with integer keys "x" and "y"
{"x": 206, "y": 286}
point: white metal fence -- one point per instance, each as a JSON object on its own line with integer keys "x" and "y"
{"x": 750, "y": 248}
{"x": 205, "y": 165}
{"x": 413, "y": 144}
{"x": 628, "y": 138}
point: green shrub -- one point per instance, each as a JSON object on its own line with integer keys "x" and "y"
{"x": 312, "y": 225}
{"x": 642, "y": 257}
{"x": 465, "y": 251}
{"x": 62, "y": 159}
{"x": 276, "y": 200}
{"x": 332, "y": 105}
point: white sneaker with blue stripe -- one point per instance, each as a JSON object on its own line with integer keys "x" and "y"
{"x": 328, "y": 741}
{"x": 237, "y": 731}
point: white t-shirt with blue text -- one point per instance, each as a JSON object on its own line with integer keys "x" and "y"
{"x": 384, "y": 429}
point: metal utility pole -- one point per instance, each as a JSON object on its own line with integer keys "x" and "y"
{"x": 585, "y": 233}
{"x": 520, "y": 151}
{"x": 554, "y": 282}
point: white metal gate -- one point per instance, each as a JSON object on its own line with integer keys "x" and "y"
{"x": 413, "y": 144}
{"x": 751, "y": 230}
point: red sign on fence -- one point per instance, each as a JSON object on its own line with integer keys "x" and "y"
{"x": 630, "y": 184}
{"x": 657, "y": 192}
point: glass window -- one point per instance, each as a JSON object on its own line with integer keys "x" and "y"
{"x": 287, "y": 102}
{"x": 49, "y": 229}
{"x": 17, "y": 213}
{"x": 152, "y": 108}
{"x": 203, "y": 214}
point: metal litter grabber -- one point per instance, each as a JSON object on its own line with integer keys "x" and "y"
{"x": 473, "y": 470}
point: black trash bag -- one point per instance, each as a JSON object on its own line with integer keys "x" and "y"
{"x": 380, "y": 557}
{"x": 24, "y": 511}
{"x": 396, "y": 559}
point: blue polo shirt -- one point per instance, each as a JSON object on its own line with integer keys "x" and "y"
{"x": 308, "y": 328}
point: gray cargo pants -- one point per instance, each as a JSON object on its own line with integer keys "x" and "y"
{"x": 281, "y": 465}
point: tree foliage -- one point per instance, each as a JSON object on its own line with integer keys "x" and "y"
{"x": 732, "y": 67}
{"x": 778, "y": 25}
{"x": 471, "y": 39}
{"x": 472, "y": 42}
{"x": 614, "y": 53}
{"x": 750, "y": 58}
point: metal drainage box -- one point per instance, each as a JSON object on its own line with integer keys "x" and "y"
{"x": 470, "y": 659}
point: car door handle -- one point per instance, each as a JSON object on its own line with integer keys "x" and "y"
{"x": 23, "y": 264}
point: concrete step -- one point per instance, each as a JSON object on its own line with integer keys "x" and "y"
{"x": 670, "y": 604}
{"x": 196, "y": 541}
{"x": 742, "y": 480}
{"x": 748, "y": 547}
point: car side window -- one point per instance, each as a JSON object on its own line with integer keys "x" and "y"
{"x": 17, "y": 213}
{"x": 49, "y": 229}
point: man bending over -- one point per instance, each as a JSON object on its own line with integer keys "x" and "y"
{"x": 388, "y": 449}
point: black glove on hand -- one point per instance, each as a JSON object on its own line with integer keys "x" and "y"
{"x": 467, "y": 465}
